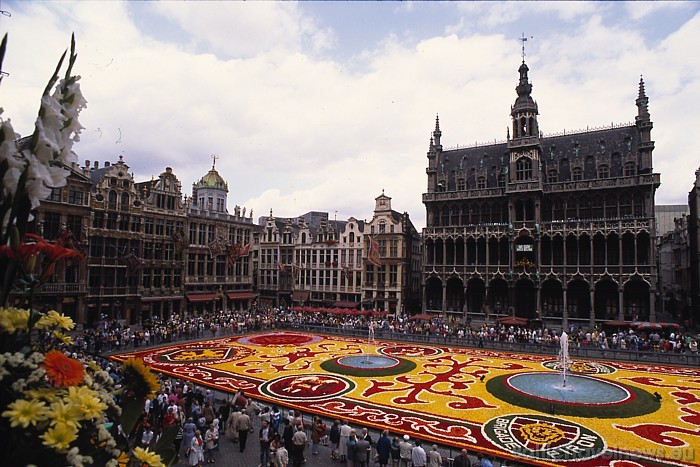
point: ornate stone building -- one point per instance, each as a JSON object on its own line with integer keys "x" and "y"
{"x": 151, "y": 253}
{"x": 312, "y": 260}
{"x": 557, "y": 227}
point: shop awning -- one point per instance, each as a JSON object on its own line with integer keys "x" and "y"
{"x": 161, "y": 299}
{"x": 202, "y": 297}
{"x": 512, "y": 321}
{"x": 240, "y": 295}
{"x": 345, "y": 305}
{"x": 300, "y": 296}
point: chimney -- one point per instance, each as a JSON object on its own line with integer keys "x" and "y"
{"x": 87, "y": 163}
{"x": 106, "y": 163}
{"x": 97, "y": 164}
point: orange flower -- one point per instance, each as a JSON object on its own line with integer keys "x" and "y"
{"x": 63, "y": 371}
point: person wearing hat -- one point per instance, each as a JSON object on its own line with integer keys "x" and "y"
{"x": 434, "y": 457}
{"x": 405, "y": 451}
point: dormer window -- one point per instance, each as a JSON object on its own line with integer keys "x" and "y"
{"x": 552, "y": 176}
{"x": 481, "y": 183}
{"x": 576, "y": 174}
{"x": 603, "y": 171}
{"x": 461, "y": 184}
{"x": 630, "y": 169}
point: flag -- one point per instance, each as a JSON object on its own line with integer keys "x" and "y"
{"x": 245, "y": 250}
{"x": 295, "y": 270}
{"x": 233, "y": 252}
{"x": 281, "y": 266}
{"x": 68, "y": 240}
{"x": 216, "y": 247}
{"x": 180, "y": 240}
{"x": 345, "y": 271}
{"x": 373, "y": 254}
{"x": 133, "y": 263}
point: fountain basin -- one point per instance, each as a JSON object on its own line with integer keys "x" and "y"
{"x": 368, "y": 365}
{"x": 581, "y": 390}
{"x": 587, "y": 396}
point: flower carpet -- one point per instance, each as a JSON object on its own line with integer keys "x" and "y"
{"x": 455, "y": 396}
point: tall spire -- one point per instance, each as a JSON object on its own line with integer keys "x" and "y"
{"x": 437, "y": 133}
{"x": 642, "y": 101}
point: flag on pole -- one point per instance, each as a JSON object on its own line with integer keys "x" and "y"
{"x": 281, "y": 266}
{"x": 233, "y": 252}
{"x": 373, "y": 254}
{"x": 295, "y": 270}
{"x": 133, "y": 263}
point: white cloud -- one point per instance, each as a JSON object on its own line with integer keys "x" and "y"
{"x": 299, "y": 130}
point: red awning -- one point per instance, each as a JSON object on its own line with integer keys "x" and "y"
{"x": 424, "y": 316}
{"x": 512, "y": 321}
{"x": 202, "y": 297}
{"x": 240, "y": 295}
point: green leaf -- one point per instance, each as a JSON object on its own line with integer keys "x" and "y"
{"x": 166, "y": 440}
{"x": 132, "y": 409}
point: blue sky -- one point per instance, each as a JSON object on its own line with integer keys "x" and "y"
{"x": 322, "y": 105}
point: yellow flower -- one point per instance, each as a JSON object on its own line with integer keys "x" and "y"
{"x": 148, "y": 457}
{"x": 86, "y": 401}
{"x": 13, "y": 319}
{"x": 60, "y": 436}
{"x": 68, "y": 340}
{"x": 62, "y": 413}
{"x": 23, "y": 412}
{"x": 55, "y": 319}
{"x": 139, "y": 379}
{"x": 47, "y": 394}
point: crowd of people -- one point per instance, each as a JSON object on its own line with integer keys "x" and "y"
{"x": 114, "y": 335}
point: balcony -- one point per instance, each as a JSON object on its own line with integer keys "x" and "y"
{"x": 62, "y": 288}
{"x": 461, "y": 195}
{"x": 604, "y": 183}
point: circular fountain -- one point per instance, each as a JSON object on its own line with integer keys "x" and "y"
{"x": 562, "y": 392}
{"x": 368, "y": 364}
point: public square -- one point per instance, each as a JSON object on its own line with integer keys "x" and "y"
{"x": 457, "y": 397}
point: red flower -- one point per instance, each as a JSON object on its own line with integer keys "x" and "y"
{"x": 63, "y": 371}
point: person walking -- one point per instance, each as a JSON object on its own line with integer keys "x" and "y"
{"x": 418, "y": 455}
{"x": 211, "y": 438}
{"x": 384, "y": 449}
{"x": 195, "y": 451}
{"x": 462, "y": 460}
{"x": 335, "y": 439}
{"x": 395, "y": 452}
{"x": 405, "y": 449}
{"x": 350, "y": 449}
{"x": 281, "y": 456}
{"x": 298, "y": 445}
{"x": 316, "y": 433}
{"x": 362, "y": 451}
{"x": 345, "y": 431}
{"x": 265, "y": 439}
{"x": 434, "y": 457}
{"x": 242, "y": 427}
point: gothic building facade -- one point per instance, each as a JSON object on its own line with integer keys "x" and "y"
{"x": 559, "y": 228}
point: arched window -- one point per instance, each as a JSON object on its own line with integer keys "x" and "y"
{"x": 523, "y": 168}
{"x": 577, "y": 174}
{"x": 112, "y": 200}
{"x": 125, "y": 202}
{"x": 352, "y": 237}
{"x": 382, "y": 227}
{"x": 603, "y": 171}
{"x": 630, "y": 169}
{"x": 441, "y": 187}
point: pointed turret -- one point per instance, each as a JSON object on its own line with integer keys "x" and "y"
{"x": 524, "y": 112}
{"x": 437, "y": 133}
{"x": 644, "y": 125}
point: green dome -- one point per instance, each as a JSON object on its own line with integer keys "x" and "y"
{"x": 213, "y": 180}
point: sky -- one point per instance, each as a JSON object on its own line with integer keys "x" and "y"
{"x": 321, "y": 106}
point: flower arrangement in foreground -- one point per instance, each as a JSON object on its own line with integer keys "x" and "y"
{"x": 56, "y": 408}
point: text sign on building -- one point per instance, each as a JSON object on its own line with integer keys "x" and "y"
{"x": 523, "y": 247}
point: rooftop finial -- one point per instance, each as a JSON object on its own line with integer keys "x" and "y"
{"x": 214, "y": 158}
{"x": 523, "y": 39}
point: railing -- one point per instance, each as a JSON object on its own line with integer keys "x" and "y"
{"x": 686, "y": 359}
{"x": 62, "y": 288}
